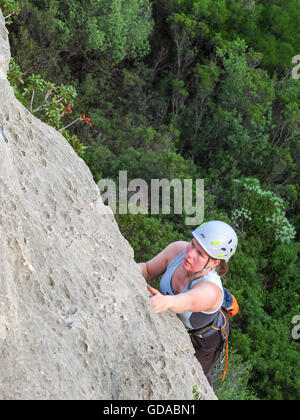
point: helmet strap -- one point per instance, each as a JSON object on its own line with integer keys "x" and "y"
{"x": 202, "y": 271}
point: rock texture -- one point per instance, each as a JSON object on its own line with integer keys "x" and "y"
{"x": 75, "y": 316}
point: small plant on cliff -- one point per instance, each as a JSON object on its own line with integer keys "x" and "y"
{"x": 9, "y": 8}
{"x": 53, "y": 102}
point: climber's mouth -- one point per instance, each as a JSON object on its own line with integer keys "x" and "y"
{"x": 185, "y": 261}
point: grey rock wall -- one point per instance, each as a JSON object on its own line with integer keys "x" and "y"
{"x": 75, "y": 316}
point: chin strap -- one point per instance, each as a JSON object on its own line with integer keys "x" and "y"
{"x": 199, "y": 272}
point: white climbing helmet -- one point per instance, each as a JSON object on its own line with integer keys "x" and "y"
{"x": 217, "y": 238}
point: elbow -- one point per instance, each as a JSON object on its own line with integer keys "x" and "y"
{"x": 144, "y": 271}
{"x": 147, "y": 275}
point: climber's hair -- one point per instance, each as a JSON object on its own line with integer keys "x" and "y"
{"x": 222, "y": 268}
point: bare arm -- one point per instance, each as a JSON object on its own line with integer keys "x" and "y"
{"x": 198, "y": 299}
{"x": 144, "y": 270}
{"x": 158, "y": 265}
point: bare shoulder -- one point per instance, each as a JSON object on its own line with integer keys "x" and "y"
{"x": 174, "y": 249}
{"x": 208, "y": 297}
{"x": 160, "y": 262}
{"x": 209, "y": 290}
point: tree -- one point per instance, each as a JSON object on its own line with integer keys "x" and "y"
{"x": 114, "y": 28}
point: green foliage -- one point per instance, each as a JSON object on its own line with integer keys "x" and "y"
{"x": 50, "y": 98}
{"x": 264, "y": 214}
{"x": 9, "y": 9}
{"x": 270, "y": 26}
{"x": 147, "y": 235}
{"x": 236, "y": 385}
{"x": 278, "y": 370}
{"x": 242, "y": 111}
{"x": 75, "y": 143}
{"x": 54, "y": 100}
{"x": 113, "y": 27}
{"x": 15, "y": 78}
{"x": 197, "y": 90}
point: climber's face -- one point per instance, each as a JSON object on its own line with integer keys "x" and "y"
{"x": 195, "y": 258}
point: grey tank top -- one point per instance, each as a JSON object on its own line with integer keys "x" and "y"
{"x": 191, "y": 320}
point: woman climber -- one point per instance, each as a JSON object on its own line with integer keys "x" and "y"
{"x": 191, "y": 286}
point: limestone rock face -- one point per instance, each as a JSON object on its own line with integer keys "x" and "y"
{"x": 75, "y": 316}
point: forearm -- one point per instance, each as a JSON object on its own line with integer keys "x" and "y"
{"x": 180, "y": 303}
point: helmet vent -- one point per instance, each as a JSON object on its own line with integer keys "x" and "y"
{"x": 230, "y": 241}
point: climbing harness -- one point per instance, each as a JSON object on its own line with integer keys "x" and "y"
{"x": 211, "y": 329}
{"x": 230, "y": 308}
{"x": 4, "y": 134}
